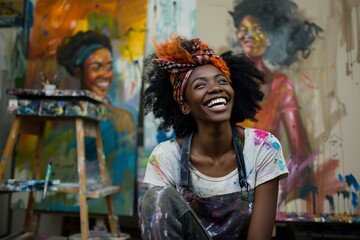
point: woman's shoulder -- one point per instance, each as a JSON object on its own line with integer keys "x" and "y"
{"x": 282, "y": 80}
{"x": 260, "y": 136}
{"x": 171, "y": 145}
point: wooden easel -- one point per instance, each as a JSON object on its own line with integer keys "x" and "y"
{"x": 35, "y": 125}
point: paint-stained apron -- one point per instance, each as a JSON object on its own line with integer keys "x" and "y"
{"x": 224, "y": 216}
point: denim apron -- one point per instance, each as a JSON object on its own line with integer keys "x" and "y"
{"x": 224, "y": 216}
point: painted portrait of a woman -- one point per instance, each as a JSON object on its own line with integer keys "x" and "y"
{"x": 274, "y": 35}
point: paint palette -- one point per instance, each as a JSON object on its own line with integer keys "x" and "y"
{"x": 60, "y": 103}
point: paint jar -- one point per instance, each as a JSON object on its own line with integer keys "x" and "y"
{"x": 49, "y": 89}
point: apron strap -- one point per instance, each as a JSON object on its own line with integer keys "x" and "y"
{"x": 239, "y": 158}
{"x": 185, "y": 158}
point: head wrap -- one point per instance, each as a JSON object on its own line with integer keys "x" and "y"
{"x": 84, "y": 52}
{"x": 180, "y": 63}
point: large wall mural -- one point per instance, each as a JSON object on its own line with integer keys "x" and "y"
{"x": 310, "y": 57}
{"x": 311, "y": 62}
{"x": 99, "y": 46}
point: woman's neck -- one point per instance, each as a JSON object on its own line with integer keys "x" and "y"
{"x": 213, "y": 140}
{"x": 212, "y": 151}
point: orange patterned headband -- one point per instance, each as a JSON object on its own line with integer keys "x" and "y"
{"x": 173, "y": 58}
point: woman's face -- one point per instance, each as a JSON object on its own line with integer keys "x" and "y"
{"x": 209, "y": 95}
{"x": 251, "y": 38}
{"x": 98, "y": 72}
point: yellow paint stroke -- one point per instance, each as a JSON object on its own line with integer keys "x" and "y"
{"x": 51, "y": 26}
{"x": 154, "y": 161}
{"x": 124, "y": 21}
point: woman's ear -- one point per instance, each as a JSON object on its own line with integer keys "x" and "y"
{"x": 185, "y": 109}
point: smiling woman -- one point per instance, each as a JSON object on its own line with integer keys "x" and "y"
{"x": 215, "y": 180}
{"x": 87, "y": 56}
{"x": 98, "y": 72}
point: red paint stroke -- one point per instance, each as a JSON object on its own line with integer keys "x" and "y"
{"x": 325, "y": 179}
{"x": 309, "y": 81}
{"x": 327, "y": 182}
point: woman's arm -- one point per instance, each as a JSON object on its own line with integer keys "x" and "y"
{"x": 264, "y": 210}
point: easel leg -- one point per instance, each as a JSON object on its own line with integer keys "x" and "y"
{"x": 113, "y": 219}
{"x": 31, "y": 220}
{"x": 84, "y": 221}
{"x": 105, "y": 178}
{"x": 14, "y": 132}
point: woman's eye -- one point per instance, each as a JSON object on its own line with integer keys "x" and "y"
{"x": 242, "y": 30}
{"x": 223, "y": 81}
{"x": 258, "y": 30}
{"x": 95, "y": 67}
{"x": 109, "y": 67}
{"x": 199, "y": 86}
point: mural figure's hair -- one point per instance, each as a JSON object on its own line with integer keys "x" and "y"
{"x": 158, "y": 99}
{"x": 288, "y": 31}
{"x": 71, "y": 46}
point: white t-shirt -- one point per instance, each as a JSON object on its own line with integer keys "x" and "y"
{"x": 263, "y": 156}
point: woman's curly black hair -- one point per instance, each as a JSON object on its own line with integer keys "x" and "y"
{"x": 289, "y": 32}
{"x": 71, "y": 44}
{"x": 246, "y": 80}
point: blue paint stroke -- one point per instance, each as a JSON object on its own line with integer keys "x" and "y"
{"x": 280, "y": 164}
{"x": 351, "y": 180}
{"x": 307, "y": 189}
{"x": 331, "y": 201}
{"x": 345, "y": 194}
{"x": 354, "y": 202}
{"x": 340, "y": 177}
{"x": 276, "y": 145}
{"x": 251, "y": 170}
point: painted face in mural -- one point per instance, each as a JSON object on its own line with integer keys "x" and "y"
{"x": 251, "y": 38}
{"x": 98, "y": 72}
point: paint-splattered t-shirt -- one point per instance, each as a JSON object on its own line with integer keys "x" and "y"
{"x": 263, "y": 157}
